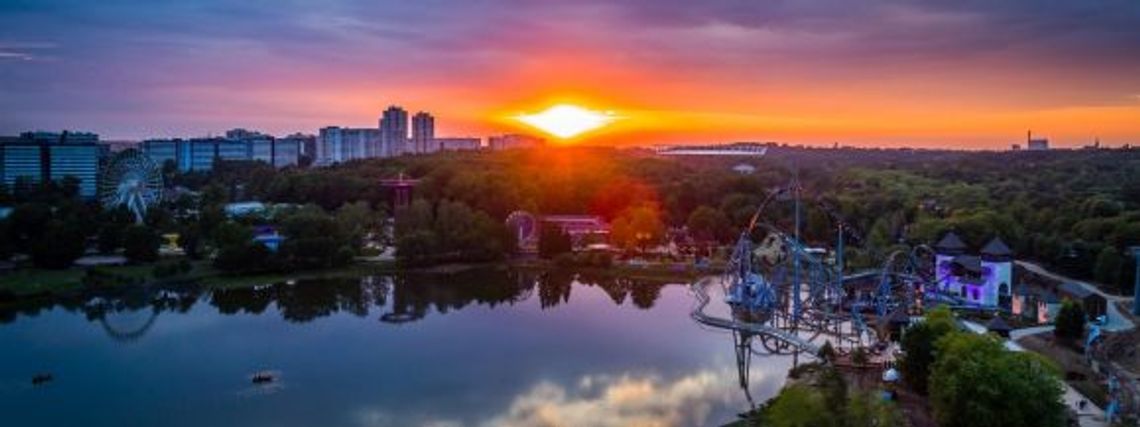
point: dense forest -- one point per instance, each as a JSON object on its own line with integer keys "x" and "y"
{"x": 1075, "y": 211}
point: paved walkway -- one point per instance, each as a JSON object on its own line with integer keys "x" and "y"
{"x": 1116, "y": 320}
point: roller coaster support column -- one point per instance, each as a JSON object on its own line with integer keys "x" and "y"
{"x": 1136, "y": 277}
{"x": 839, "y": 258}
{"x": 796, "y": 250}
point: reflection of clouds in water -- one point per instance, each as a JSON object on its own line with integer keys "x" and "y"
{"x": 380, "y": 418}
{"x": 624, "y": 401}
{"x": 603, "y": 400}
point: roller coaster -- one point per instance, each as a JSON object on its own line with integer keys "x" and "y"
{"x": 791, "y": 297}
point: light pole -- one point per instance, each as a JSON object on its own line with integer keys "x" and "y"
{"x": 1136, "y": 279}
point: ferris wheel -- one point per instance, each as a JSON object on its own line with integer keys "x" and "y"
{"x": 132, "y": 180}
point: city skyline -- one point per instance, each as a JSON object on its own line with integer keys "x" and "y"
{"x": 971, "y": 75}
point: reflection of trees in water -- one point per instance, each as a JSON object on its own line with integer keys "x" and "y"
{"x": 306, "y": 300}
{"x": 414, "y": 295}
{"x": 399, "y": 298}
{"x": 643, "y": 293}
{"x": 554, "y": 289}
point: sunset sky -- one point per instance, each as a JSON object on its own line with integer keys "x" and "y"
{"x": 942, "y": 73}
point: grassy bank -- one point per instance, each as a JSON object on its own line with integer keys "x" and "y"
{"x": 666, "y": 272}
{"x": 34, "y": 281}
{"x": 221, "y": 281}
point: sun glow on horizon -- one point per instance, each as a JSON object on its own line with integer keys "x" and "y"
{"x": 567, "y": 121}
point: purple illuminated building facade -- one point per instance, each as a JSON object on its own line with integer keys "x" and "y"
{"x": 985, "y": 279}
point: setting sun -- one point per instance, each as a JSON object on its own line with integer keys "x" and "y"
{"x": 566, "y": 121}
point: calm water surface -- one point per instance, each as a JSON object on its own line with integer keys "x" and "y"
{"x": 486, "y": 348}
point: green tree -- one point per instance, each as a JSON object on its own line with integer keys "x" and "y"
{"x": 110, "y": 238}
{"x": 236, "y": 250}
{"x": 190, "y": 239}
{"x": 61, "y": 244}
{"x": 976, "y": 382}
{"x": 1108, "y": 267}
{"x": 313, "y": 240}
{"x": 415, "y": 232}
{"x": 29, "y": 222}
{"x": 1070, "y": 323}
{"x": 638, "y": 226}
{"x": 552, "y": 241}
{"x": 828, "y": 405}
{"x": 243, "y": 258}
{"x": 231, "y": 234}
{"x": 708, "y": 223}
{"x": 834, "y": 390}
{"x": 918, "y": 346}
{"x": 140, "y": 243}
{"x": 867, "y": 408}
{"x": 797, "y": 406}
{"x": 356, "y": 220}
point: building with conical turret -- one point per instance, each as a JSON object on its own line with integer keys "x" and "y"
{"x": 984, "y": 279}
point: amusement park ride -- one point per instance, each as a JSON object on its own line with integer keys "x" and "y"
{"x": 778, "y": 287}
{"x": 790, "y": 299}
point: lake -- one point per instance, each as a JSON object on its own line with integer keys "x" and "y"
{"x": 478, "y": 348}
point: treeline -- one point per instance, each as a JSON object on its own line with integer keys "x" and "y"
{"x": 52, "y": 226}
{"x": 1075, "y": 211}
{"x": 311, "y": 239}
{"x": 448, "y": 231}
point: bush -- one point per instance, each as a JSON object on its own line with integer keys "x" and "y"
{"x": 60, "y": 246}
{"x": 250, "y": 257}
{"x": 140, "y": 244}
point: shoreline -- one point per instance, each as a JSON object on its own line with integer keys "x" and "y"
{"x": 37, "y": 284}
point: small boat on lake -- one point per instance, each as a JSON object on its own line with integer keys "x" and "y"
{"x": 41, "y": 379}
{"x": 264, "y": 377}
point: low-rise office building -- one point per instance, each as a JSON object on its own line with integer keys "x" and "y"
{"x": 36, "y": 157}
